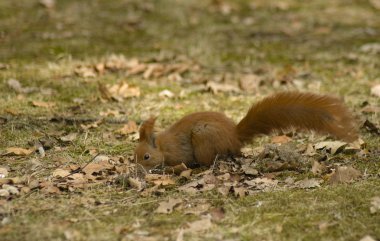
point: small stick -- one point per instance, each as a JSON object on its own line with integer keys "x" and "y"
{"x": 81, "y": 168}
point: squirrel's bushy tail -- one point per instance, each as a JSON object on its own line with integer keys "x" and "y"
{"x": 285, "y": 110}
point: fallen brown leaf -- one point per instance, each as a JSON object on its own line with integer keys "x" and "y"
{"x": 130, "y": 127}
{"x": 167, "y": 207}
{"x": 375, "y": 4}
{"x": 49, "y": 4}
{"x": 92, "y": 125}
{"x": 3, "y": 172}
{"x": 85, "y": 71}
{"x": 157, "y": 179}
{"x": 240, "y": 191}
{"x": 344, "y": 174}
{"x": 317, "y": 167}
{"x": 375, "y": 205}
{"x": 60, "y": 172}
{"x": 367, "y": 238}
{"x": 280, "y": 139}
{"x": 250, "y": 83}
{"x": 109, "y": 112}
{"x": 19, "y": 151}
{"x": 122, "y": 90}
{"x": 375, "y": 90}
{"x": 197, "y": 208}
{"x": 43, "y": 104}
{"x": 198, "y": 226}
{"x": 216, "y": 87}
{"x": 16, "y": 86}
{"x": 217, "y": 214}
{"x": 308, "y": 183}
{"x": 69, "y": 137}
{"x": 166, "y": 94}
{"x": 333, "y": 146}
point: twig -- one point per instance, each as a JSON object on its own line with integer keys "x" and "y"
{"x": 81, "y": 168}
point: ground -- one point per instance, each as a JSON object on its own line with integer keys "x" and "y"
{"x": 77, "y": 63}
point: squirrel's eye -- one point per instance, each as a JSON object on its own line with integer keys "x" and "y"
{"x": 146, "y": 156}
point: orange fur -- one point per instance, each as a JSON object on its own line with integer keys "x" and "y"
{"x": 200, "y": 137}
{"x": 307, "y": 111}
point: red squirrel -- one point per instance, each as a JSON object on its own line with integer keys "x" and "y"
{"x": 200, "y": 137}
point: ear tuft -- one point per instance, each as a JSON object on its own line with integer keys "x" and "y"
{"x": 146, "y": 130}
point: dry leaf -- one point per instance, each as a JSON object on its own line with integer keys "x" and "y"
{"x": 266, "y": 181}
{"x": 118, "y": 62}
{"x": 11, "y": 189}
{"x": 250, "y": 83}
{"x": 138, "y": 69}
{"x": 197, "y": 208}
{"x": 167, "y": 207}
{"x": 216, "y": 87}
{"x": 104, "y": 92}
{"x": 289, "y": 180}
{"x": 249, "y": 170}
{"x": 280, "y": 139}
{"x": 375, "y": 205}
{"x": 367, "y": 238}
{"x": 16, "y": 86}
{"x": 308, "y": 183}
{"x": 370, "y": 48}
{"x": 177, "y": 169}
{"x": 217, "y": 214}
{"x": 128, "y": 128}
{"x": 332, "y": 146}
{"x": 154, "y": 70}
{"x": 122, "y": 90}
{"x": 4, "y": 66}
{"x": 199, "y": 226}
{"x": 85, "y": 71}
{"x": 92, "y": 125}
{"x": 19, "y": 151}
{"x": 375, "y": 90}
{"x": 375, "y": 4}
{"x": 76, "y": 179}
{"x": 69, "y": 138}
{"x": 323, "y": 226}
{"x": 370, "y": 109}
{"x": 43, "y": 104}
{"x": 94, "y": 168}
{"x": 310, "y": 151}
{"x": 49, "y": 188}
{"x": 166, "y": 94}
{"x": 157, "y": 179}
{"x": 186, "y": 173}
{"x": 100, "y": 68}
{"x": 4, "y": 193}
{"x": 224, "y": 190}
{"x": 50, "y": 4}
{"x": 136, "y": 183}
{"x": 109, "y": 112}
{"x": 60, "y": 172}
{"x": 3, "y": 172}
{"x": 317, "y": 167}
{"x": 344, "y": 174}
{"x": 240, "y": 191}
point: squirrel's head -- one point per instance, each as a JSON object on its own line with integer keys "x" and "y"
{"x": 146, "y": 152}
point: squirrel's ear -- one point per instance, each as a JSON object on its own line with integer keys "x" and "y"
{"x": 146, "y": 130}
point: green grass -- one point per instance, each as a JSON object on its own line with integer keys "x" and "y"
{"x": 320, "y": 40}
